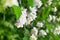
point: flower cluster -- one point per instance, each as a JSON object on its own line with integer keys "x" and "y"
{"x": 28, "y": 17}
{"x": 57, "y": 30}
{"x": 42, "y": 17}
{"x": 34, "y": 34}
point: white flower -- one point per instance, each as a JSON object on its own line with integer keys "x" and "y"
{"x": 22, "y": 19}
{"x": 34, "y": 31}
{"x": 47, "y": 30}
{"x": 57, "y": 30}
{"x": 28, "y": 21}
{"x": 30, "y": 18}
{"x": 11, "y": 3}
{"x": 54, "y": 9}
{"x": 42, "y": 33}
{"x": 39, "y": 24}
{"x": 33, "y": 37}
{"x": 38, "y": 3}
{"x": 49, "y": 2}
{"x": 32, "y": 15}
{"x": 58, "y": 19}
{"x": 33, "y": 9}
{"x": 54, "y": 18}
{"x": 49, "y": 18}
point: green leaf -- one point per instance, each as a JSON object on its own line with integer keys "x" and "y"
{"x": 56, "y": 37}
{"x": 45, "y": 13}
{"x": 17, "y": 11}
{"x": 48, "y": 25}
{"x": 25, "y": 38}
{"x": 31, "y": 3}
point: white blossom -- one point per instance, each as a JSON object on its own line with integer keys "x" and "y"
{"x": 54, "y": 18}
{"x": 54, "y": 9}
{"x": 33, "y": 37}
{"x": 42, "y": 33}
{"x": 22, "y": 19}
{"x": 38, "y": 3}
{"x": 34, "y": 31}
{"x": 32, "y": 15}
{"x": 47, "y": 30}
{"x": 39, "y": 24}
{"x": 30, "y": 18}
{"x": 57, "y": 30}
{"x": 11, "y": 3}
{"x": 49, "y": 18}
{"x": 33, "y": 9}
{"x": 49, "y": 2}
{"x": 58, "y": 19}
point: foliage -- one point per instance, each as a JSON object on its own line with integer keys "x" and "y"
{"x": 10, "y": 15}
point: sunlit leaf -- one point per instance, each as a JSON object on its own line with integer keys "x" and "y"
{"x": 17, "y": 11}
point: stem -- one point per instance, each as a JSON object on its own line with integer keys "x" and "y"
{"x": 4, "y": 16}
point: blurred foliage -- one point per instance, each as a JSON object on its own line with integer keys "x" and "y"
{"x": 9, "y": 15}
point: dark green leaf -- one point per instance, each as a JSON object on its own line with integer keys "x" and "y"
{"x": 30, "y": 2}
